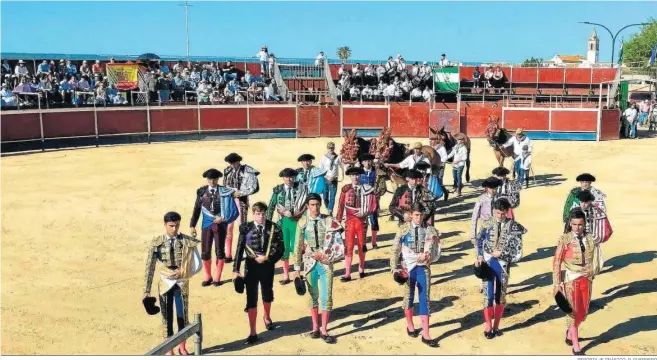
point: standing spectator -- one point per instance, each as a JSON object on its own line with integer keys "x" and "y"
{"x": 443, "y": 61}
{"x": 163, "y": 88}
{"x": 84, "y": 69}
{"x": 370, "y": 75}
{"x": 203, "y": 90}
{"x": 380, "y": 72}
{"x": 71, "y": 69}
{"x": 401, "y": 68}
{"x": 630, "y": 121}
{"x": 96, "y": 68}
{"x": 112, "y": 60}
{"x": 151, "y": 84}
{"x": 61, "y": 70}
{"x": 272, "y": 63}
{"x": 164, "y": 69}
{"x": 319, "y": 61}
{"x": 178, "y": 67}
{"x": 645, "y": 111}
{"x": 357, "y": 74}
{"x": 43, "y": 68}
{"x": 264, "y": 59}
{"x": 229, "y": 71}
{"x": 476, "y": 77}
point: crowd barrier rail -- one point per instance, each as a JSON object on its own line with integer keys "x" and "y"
{"x": 194, "y": 329}
{"x": 98, "y": 125}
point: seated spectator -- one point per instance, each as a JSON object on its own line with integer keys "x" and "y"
{"x": 21, "y": 70}
{"x": 368, "y": 93}
{"x": 233, "y": 87}
{"x": 71, "y": 69}
{"x": 43, "y": 68}
{"x": 83, "y": 84}
{"x": 65, "y": 89}
{"x": 319, "y": 61}
{"x": 229, "y": 71}
{"x": 497, "y": 80}
{"x": 61, "y": 70}
{"x": 405, "y": 86}
{"x": 488, "y": 76}
{"x": 416, "y": 94}
{"x": 391, "y": 67}
{"x": 341, "y": 70}
{"x": 216, "y": 97}
{"x": 354, "y": 93}
{"x": 164, "y": 69}
{"x": 119, "y": 99}
{"x": 84, "y": 69}
{"x": 194, "y": 78}
{"x": 380, "y": 72}
{"x": 44, "y": 85}
{"x": 249, "y": 78}
{"x": 415, "y": 70}
{"x": 427, "y": 94}
{"x": 370, "y": 75}
{"x": 8, "y": 97}
{"x": 272, "y": 63}
{"x": 357, "y": 74}
{"x": 96, "y": 68}
{"x": 203, "y": 90}
{"x": 443, "y": 61}
{"x": 476, "y": 77}
{"x": 101, "y": 94}
{"x": 112, "y": 60}
{"x": 178, "y": 67}
{"x": 73, "y": 82}
{"x": 205, "y": 74}
{"x": 270, "y": 92}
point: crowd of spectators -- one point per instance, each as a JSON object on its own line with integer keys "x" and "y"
{"x": 491, "y": 80}
{"x": 395, "y": 80}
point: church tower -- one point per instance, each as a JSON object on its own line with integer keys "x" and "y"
{"x": 593, "y": 48}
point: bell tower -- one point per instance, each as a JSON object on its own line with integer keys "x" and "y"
{"x": 593, "y": 48}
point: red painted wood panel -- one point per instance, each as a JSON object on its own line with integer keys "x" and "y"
{"x": 20, "y": 127}
{"x": 578, "y": 76}
{"x": 450, "y": 119}
{"x": 65, "y": 124}
{"x": 364, "y": 117}
{"x": 465, "y": 72}
{"x": 329, "y": 121}
{"x": 254, "y": 68}
{"x": 610, "y": 124}
{"x": 550, "y": 75}
{"x": 600, "y": 75}
{"x": 223, "y": 119}
{"x": 445, "y": 105}
{"x": 174, "y": 120}
{"x": 529, "y": 120}
{"x": 574, "y": 120}
{"x": 272, "y": 118}
{"x": 122, "y": 122}
{"x": 308, "y": 121}
{"x": 524, "y": 75}
{"x": 334, "y": 71}
{"x": 476, "y": 120}
{"x": 409, "y": 121}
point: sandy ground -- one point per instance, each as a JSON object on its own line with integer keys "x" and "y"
{"x": 76, "y": 224}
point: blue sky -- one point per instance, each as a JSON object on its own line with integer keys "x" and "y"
{"x": 468, "y": 31}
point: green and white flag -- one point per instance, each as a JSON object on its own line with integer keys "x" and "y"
{"x": 446, "y": 79}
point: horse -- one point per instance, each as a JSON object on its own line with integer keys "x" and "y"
{"x": 497, "y": 137}
{"x": 386, "y": 151}
{"x": 450, "y": 141}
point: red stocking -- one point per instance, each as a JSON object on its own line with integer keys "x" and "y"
{"x": 425, "y": 326}
{"x": 253, "y": 314}
{"x": 373, "y": 237}
{"x": 488, "y": 315}
{"x": 499, "y": 312}
{"x": 314, "y": 315}
{"x": 361, "y": 261}
{"x": 267, "y": 307}
{"x": 325, "y": 320}
{"x": 207, "y": 267}
{"x": 220, "y": 268}
{"x": 409, "y": 319}
{"x": 347, "y": 265}
{"x": 286, "y": 269}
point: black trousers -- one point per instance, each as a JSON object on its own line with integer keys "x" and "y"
{"x": 216, "y": 234}
{"x": 255, "y": 274}
{"x": 169, "y": 303}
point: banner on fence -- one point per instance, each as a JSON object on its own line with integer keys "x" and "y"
{"x": 124, "y": 76}
{"x": 446, "y": 79}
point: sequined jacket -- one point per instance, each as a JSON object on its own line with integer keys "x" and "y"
{"x": 597, "y": 223}
{"x": 402, "y": 201}
{"x": 279, "y": 199}
{"x": 574, "y": 254}
{"x": 358, "y": 198}
{"x": 205, "y": 199}
{"x": 159, "y": 250}
{"x": 252, "y": 243}
{"x": 245, "y": 180}
{"x": 328, "y": 240}
{"x": 405, "y": 244}
{"x": 510, "y": 190}
{"x": 483, "y": 210}
{"x": 505, "y": 236}
{"x": 572, "y": 199}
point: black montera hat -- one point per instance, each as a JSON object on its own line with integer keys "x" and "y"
{"x": 306, "y": 157}
{"x": 300, "y": 286}
{"x": 563, "y": 303}
{"x": 287, "y": 172}
{"x": 483, "y": 271}
{"x": 585, "y": 177}
{"x": 212, "y": 174}
{"x": 239, "y": 284}
{"x": 149, "y": 305}
{"x": 232, "y": 158}
{"x": 354, "y": 171}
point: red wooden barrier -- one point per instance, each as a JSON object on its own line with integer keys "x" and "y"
{"x": 524, "y": 75}
{"x": 329, "y": 121}
{"x": 465, "y": 72}
{"x": 68, "y": 124}
{"x": 272, "y": 118}
{"x": 551, "y": 75}
{"x": 409, "y": 121}
{"x": 610, "y": 124}
{"x": 578, "y": 76}
{"x": 308, "y": 121}
{"x": 600, "y": 75}
{"x": 223, "y": 119}
{"x": 574, "y": 120}
{"x": 180, "y": 120}
{"x": 122, "y": 122}
{"x": 20, "y": 127}
{"x": 476, "y": 120}
{"x": 536, "y": 120}
{"x": 361, "y": 118}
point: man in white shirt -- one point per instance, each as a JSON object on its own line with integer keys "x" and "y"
{"x": 319, "y": 61}
{"x": 630, "y": 115}
{"x": 427, "y": 94}
{"x": 20, "y": 70}
{"x": 332, "y": 163}
{"x": 410, "y": 161}
{"x": 518, "y": 142}
{"x": 416, "y": 94}
{"x": 438, "y": 144}
{"x": 263, "y": 56}
{"x": 443, "y": 61}
{"x": 459, "y": 154}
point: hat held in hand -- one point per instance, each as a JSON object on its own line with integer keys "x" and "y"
{"x": 149, "y": 305}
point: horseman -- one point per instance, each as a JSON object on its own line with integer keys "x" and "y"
{"x": 519, "y": 142}
{"x": 411, "y": 160}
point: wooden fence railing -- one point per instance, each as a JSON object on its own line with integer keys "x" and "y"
{"x": 194, "y": 329}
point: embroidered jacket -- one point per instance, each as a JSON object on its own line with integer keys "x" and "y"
{"x": 282, "y": 199}
{"x": 369, "y": 177}
{"x": 209, "y": 201}
{"x": 405, "y": 197}
{"x": 572, "y": 199}
{"x": 323, "y": 234}
{"x": 254, "y": 241}
{"x": 359, "y": 198}
{"x": 483, "y": 210}
{"x": 574, "y": 254}
{"x": 597, "y": 223}
{"x": 505, "y": 236}
{"x": 245, "y": 179}
{"x": 411, "y": 241}
{"x": 168, "y": 253}
{"x": 510, "y": 190}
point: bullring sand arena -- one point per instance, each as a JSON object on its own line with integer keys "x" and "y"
{"x": 76, "y": 225}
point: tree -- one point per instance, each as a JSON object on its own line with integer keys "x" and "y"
{"x": 637, "y": 49}
{"x": 532, "y": 62}
{"x": 344, "y": 53}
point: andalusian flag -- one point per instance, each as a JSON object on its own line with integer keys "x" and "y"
{"x": 446, "y": 79}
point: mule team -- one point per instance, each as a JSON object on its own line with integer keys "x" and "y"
{"x": 318, "y": 241}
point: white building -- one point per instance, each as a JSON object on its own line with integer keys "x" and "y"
{"x": 592, "y": 52}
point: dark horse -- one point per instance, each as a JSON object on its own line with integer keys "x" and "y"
{"x": 450, "y": 142}
{"x": 497, "y": 137}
